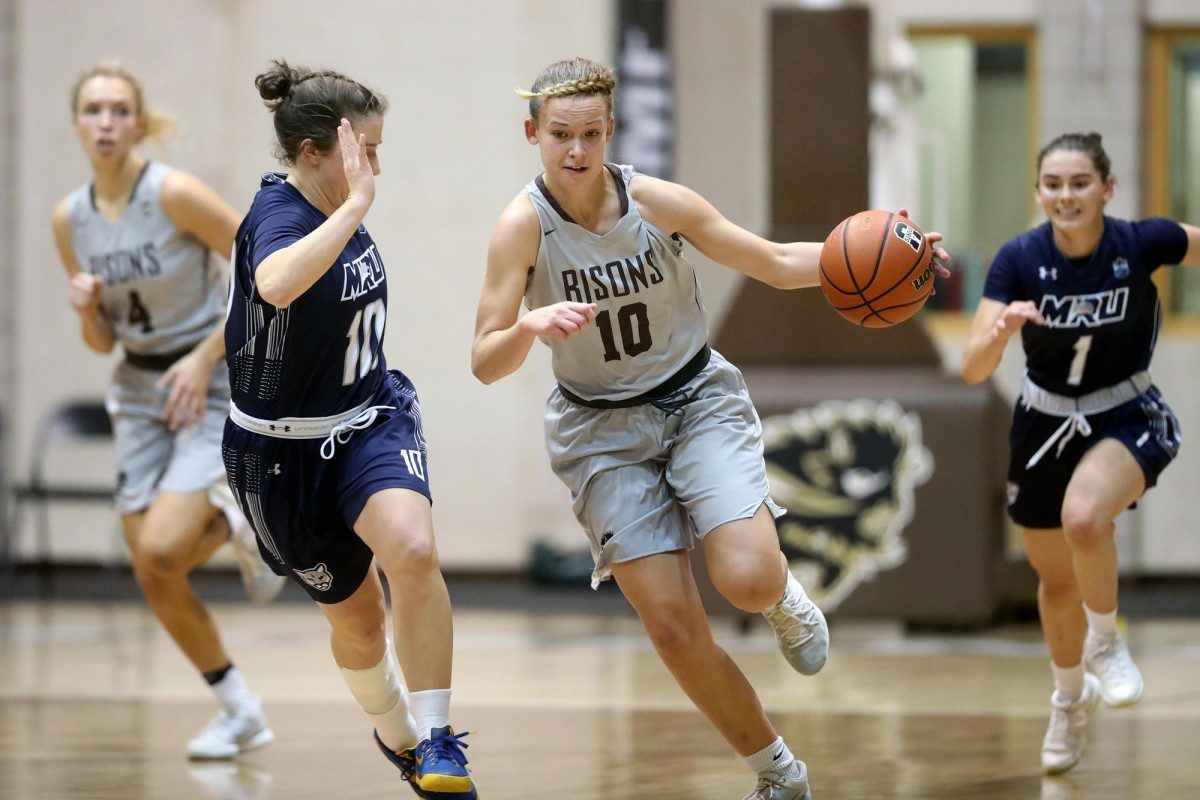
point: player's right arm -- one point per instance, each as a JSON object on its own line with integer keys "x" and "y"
{"x": 83, "y": 290}
{"x": 289, "y": 272}
{"x": 502, "y": 336}
{"x": 994, "y": 324}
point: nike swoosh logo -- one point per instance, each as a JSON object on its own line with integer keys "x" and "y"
{"x": 547, "y": 233}
{"x": 778, "y": 756}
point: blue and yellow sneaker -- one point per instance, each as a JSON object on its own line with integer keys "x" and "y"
{"x": 404, "y": 761}
{"x": 440, "y": 767}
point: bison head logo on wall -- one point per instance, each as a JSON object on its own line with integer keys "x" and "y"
{"x": 846, "y": 473}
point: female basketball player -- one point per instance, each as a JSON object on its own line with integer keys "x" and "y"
{"x": 136, "y": 242}
{"x": 653, "y": 432}
{"x": 1090, "y": 432}
{"x": 324, "y": 445}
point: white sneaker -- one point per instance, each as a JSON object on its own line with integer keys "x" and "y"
{"x": 1109, "y": 660}
{"x": 800, "y": 629}
{"x": 262, "y": 585}
{"x": 1067, "y": 732}
{"x": 230, "y": 734}
{"x": 774, "y": 786}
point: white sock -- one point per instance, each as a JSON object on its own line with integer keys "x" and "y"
{"x": 1101, "y": 626}
{"x": 232, "y": 692}
{"x": 1068, "y": 682}
{"x": 775, "y": 757}
{"x": 791, "y": 589}
{"x": 430, "y": 709}
{"x": 377, "y": 689}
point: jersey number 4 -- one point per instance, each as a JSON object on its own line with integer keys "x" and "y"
{"x": 365, "y": 328}
{"x": 633, "y": 321}
{"x": 138, "y": 313}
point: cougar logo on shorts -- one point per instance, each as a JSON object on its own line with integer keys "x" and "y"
{"x": 846, "y": 472}
{"x": 318, "y": 577}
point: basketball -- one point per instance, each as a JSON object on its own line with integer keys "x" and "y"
{"x": 876, "y": 268}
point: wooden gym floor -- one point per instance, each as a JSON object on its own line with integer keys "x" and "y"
{"x": 96, "y": 703}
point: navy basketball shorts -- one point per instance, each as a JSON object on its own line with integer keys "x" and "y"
{"x": 1145, "y": 425}
{"x": 303, "y": 507}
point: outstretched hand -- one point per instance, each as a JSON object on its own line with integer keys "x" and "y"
{"x": 1014, "y": 317}
{"x": 560, "y": 321}
{"x": 360, "y": 178}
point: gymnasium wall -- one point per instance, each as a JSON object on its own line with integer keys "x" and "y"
{"x": 453, "y": 156}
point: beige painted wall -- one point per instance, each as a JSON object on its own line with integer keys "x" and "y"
{"x": 453, "y": 157}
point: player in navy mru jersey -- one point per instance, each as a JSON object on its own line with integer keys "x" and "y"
{"x": 1090, "y": 431}
{"x": 324, "y": 447}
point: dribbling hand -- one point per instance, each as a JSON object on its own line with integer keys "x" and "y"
{"x": 83, "y": 293}
{"x": 561, "y": 320}
{"x": 940, "y": 256}
{"x": 360, "y": 178}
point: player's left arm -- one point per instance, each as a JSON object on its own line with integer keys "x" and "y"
{"x": 792, "y": 265}
{"x": 196, "y": 209}
{"x": 1192, "y": 257}
{"x": 677, "y": 209}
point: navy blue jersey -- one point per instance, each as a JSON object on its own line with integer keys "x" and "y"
{"x": 321, "y": 355}
{"x": 1102, "y": 312}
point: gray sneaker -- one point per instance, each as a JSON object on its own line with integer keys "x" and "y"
{"x": 800, "y": 629}
{"x": 229, "y": 735}
{"x": 773, "y": 786}
{"x": 1066, "y": 734}
{"x": 1109, "y": 660}
{"x": 261, "y": 584}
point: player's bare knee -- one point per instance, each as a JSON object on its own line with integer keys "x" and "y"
{"x": 154, "y": 560}
{"x": 1084, "y": 528}
{"x": 1057, "y": 588}
{"x": 409, "y": 555}
{"x": 672, "y": 632}
{"x": 750, "y": 585}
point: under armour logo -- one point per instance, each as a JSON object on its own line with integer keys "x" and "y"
{"x": 275, "y": 470}
{"x": 284, "y": 428}
{"x": 1052, "y": 272}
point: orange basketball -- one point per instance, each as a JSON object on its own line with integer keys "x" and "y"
{"x": 876, "y": 268}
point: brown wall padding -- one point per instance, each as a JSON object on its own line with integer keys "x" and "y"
{"x": 819, "y": 167}
{"x": 796, "y": 352}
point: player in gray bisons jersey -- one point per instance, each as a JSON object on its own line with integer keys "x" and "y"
{"x": 136, "y": 243}
{"x": 652, "y": 431}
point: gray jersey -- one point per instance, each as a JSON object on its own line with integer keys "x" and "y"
{"x": 161, "y": 292}
{"x": 650, "y": 319}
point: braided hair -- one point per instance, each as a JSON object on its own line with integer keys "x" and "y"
{"x": 575, "y": 76}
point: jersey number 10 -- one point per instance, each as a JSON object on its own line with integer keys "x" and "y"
{"x": 633, "y": 341}
{"x": 365, "y": 328}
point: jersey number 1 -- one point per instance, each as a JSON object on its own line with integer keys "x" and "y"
{"x": 1082, "y": 345}
{"x": 633, "y": 342}
{"x": 359, "y": 355}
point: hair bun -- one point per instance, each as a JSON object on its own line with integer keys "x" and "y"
{"x": 276, "y": 83}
